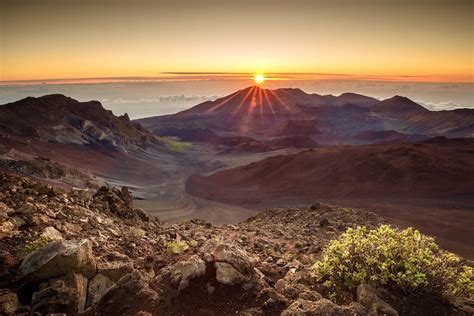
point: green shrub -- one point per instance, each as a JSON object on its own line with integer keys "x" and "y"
{"x": 398, "y": 260}
{"x": 36, "y": 244}
{"x": 176, "y": 247}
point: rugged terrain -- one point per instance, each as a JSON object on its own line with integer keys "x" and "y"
{"x": 258, "y": 119}
{"x": 78, "y": 252}
{"x": 428, "y": 184}
{"x": 60, "y": 119}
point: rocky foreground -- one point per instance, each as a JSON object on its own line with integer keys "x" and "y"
{"x": 74, "y": 252}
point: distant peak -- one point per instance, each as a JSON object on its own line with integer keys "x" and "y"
{"x": 352, "y": 94}
{"x": 400, "y": 98}
{"x": 293, "y": 90}
{"x": 402, "y": 103}
{"x": 58, "y": 99}
{"x": 55, "y": 96}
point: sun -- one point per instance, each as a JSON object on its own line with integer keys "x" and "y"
{"x": 259, "y": 78}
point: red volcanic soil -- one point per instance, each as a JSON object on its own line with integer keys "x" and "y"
{"x": 428, "y": 185}
{"x": 418, "y": 170}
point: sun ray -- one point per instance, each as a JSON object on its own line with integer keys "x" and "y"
{"x": 217, "y": 106}
{"x": 249, "y": 112}
{"x": 280, "y": 100}
{"x": 265, "y": 94}
{"x": 260, "y": 104}
{"x": 243, "y": 100}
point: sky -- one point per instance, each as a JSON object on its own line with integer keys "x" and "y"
{"x": 412, "y": 40}
{"x": 157, "y": 57}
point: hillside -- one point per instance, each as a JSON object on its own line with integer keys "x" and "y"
{"x": 59, "y": 119}
{"x": 433, "y": 170}
{"x": 79, "y": 253}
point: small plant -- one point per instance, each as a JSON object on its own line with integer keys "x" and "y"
{"x": 137, "y": 232}
{"x": 36, "y": 244}
{"x": 399, "y": 260}
{"x": 176, "y": 247}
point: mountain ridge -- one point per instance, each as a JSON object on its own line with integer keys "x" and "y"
{"x": 61, "y": 119}
{"x": 262, "y": 113}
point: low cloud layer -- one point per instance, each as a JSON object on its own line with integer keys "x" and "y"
{"x": 160, "y": 98}
{"x": 440, "y": 106}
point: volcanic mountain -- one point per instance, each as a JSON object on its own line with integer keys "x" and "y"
{"x": 60, "y": 119}
{"x": 264, "y": 114}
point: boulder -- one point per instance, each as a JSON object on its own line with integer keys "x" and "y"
{"x": 59, "y": 258}
{"x": 227, "y": 274}
{"x": 367, "y": 296}
{"x": 184, "y": 271}
{"x": 115, "y": 265}
{"x": 234, "y": 266}
{"x": 8, "y": 302}
{"x": 98, "y": 286}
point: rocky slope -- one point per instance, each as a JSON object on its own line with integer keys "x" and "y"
{"x": 47, "y": 170}
{"x": 77, "y": 253}
{"x": 60, "y": 119}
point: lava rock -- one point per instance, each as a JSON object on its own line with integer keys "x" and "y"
{"x": 59, "y": 258}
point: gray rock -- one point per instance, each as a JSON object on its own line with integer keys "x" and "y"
{"x": 52, "y": 233}
{"x": 98, "y": 286}
{"x": 116, "y": 269}
{"x": 368, "y": 297}
{"x": 233, "y": 265}
{"x": 227, "y": 274}
{"x": 59, "y": 258}
{"x": 184, "y": 271}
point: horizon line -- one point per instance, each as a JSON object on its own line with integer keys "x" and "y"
{"x": 215, "y": 75}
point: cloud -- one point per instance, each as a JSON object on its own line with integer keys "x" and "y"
{"x": 164, "y": 99}
{"x": 439, "y": 106}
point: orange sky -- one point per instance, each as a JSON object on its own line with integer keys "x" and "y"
{"x": 83, "y": 39}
